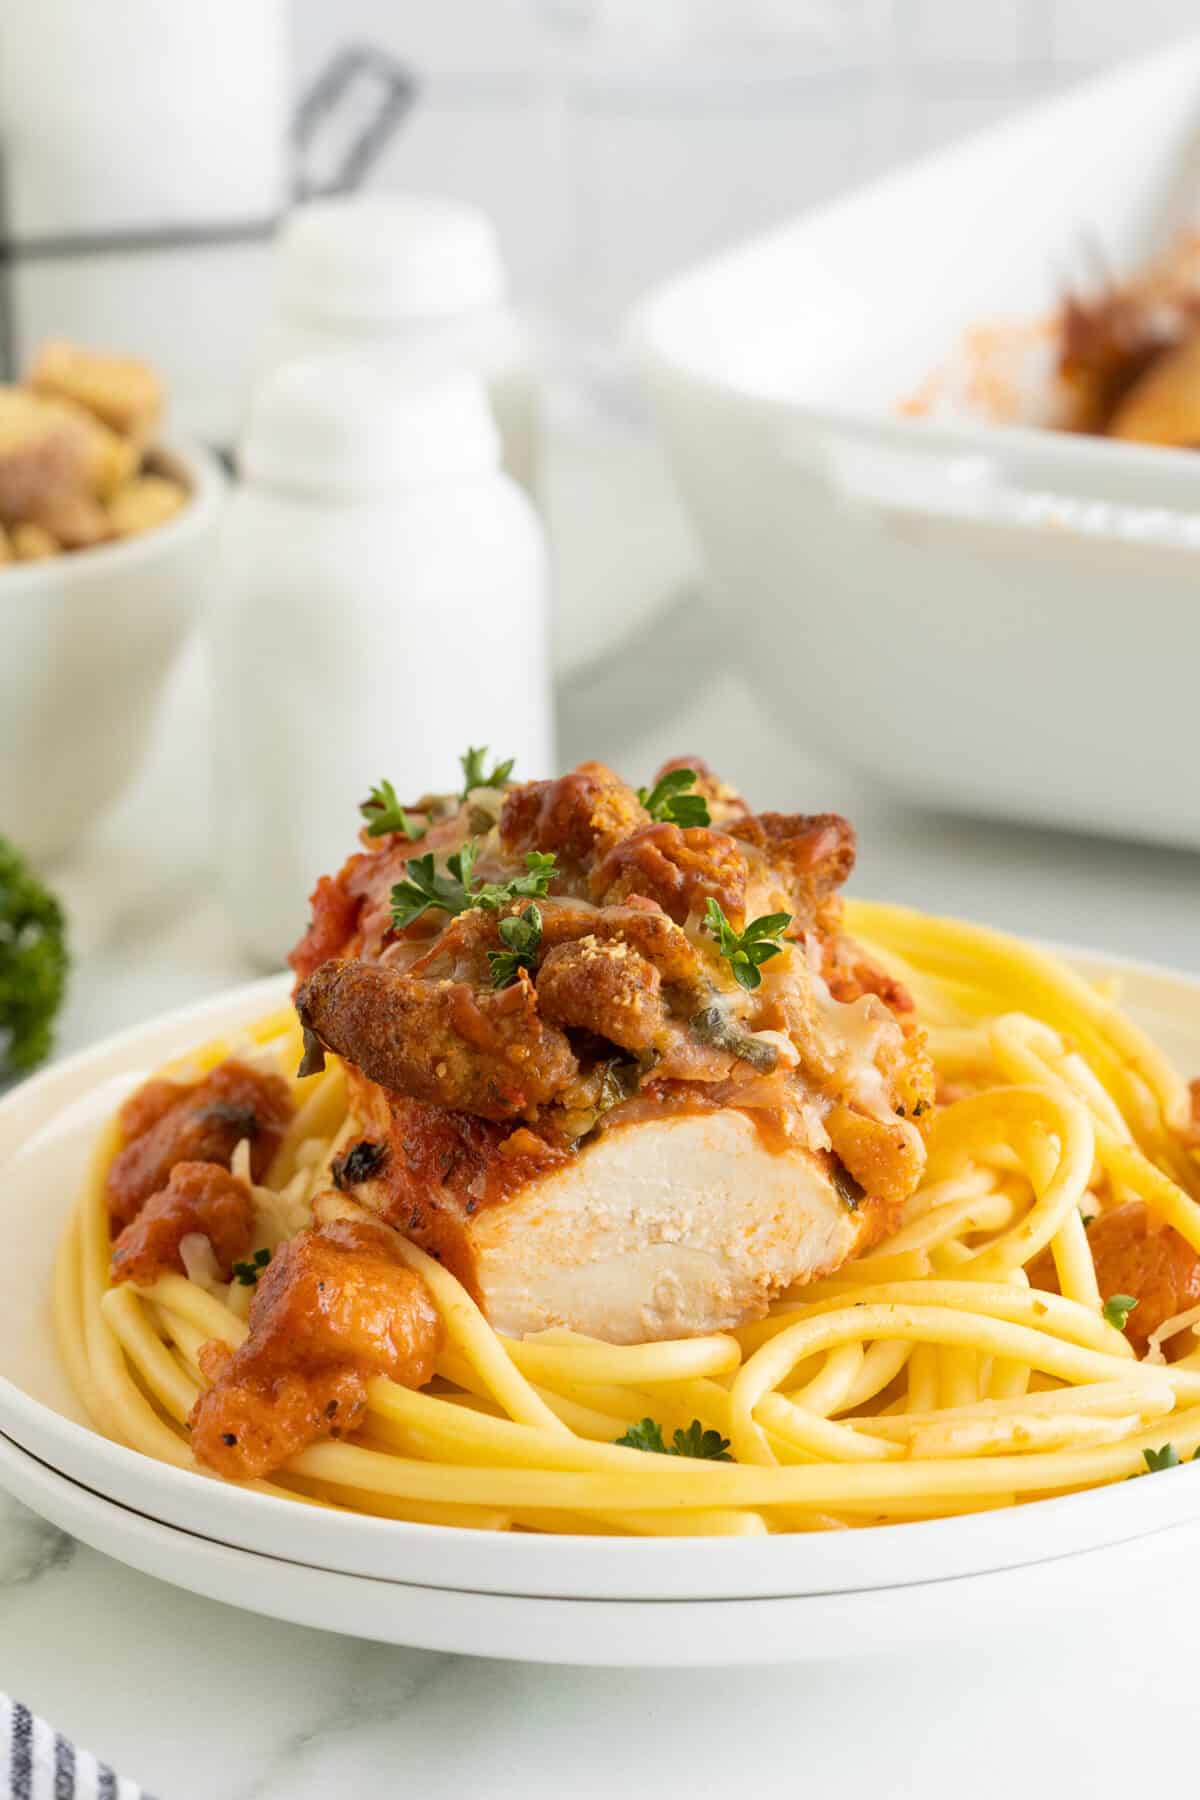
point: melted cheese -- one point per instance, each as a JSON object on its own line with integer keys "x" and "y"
{"x": 855, "y": 1031}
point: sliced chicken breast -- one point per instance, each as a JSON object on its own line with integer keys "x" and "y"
{"x": 662, "y": 1229}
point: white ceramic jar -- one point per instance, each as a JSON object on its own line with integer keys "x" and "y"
{"x": 413, "y": 273}
{"x": 382, "y": 607}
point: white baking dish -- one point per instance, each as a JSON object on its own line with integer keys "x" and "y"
{"x": 993, "y": 618}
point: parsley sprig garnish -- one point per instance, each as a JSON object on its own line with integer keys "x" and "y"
{"x": 425, "y": 887}
{"x": 1166, "y": 1458}
{"x": 745, "y": 950}
{"x": 533, "y": 885}
{"x": 522, "y": 932}
{"x": 707, "y": 1445}
{"x": 1117, "y": 1309}
{"x": 384, "y": 813}
{"x": 473, "y": 775}
{"x": 247, "y": 1273}
{"x": 457, "y": 892}
{"x": 669, "y": 799}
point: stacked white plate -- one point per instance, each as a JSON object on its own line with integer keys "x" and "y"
{"x": 554, "y": 1599}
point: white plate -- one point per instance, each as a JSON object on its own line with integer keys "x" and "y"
{"x": 614, "y": 1633}
{"x": 46, "y": 1129}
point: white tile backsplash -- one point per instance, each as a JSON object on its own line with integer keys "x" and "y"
{"x": 656, "y": 187}
{"x": 497, "y": 146}
{"x": 614, "y": 140}
{"x": 438, "y": 36}
{"x": 968, "y": 32}
{"x": 1103, "y": 30}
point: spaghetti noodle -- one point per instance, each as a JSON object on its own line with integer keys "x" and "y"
{"x": 928, "y": 1377}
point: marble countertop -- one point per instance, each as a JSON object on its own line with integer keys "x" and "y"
{"x": 201, "y": 1702}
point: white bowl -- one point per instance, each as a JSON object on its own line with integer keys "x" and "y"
{"x": 88, "y": 639}
{"x": 47, "y": 1126}
{"x": 987, "y": 617}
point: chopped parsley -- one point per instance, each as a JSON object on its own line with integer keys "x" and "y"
{"x": 533, "y": 885}
{"x": 1087, "y": 1219}
{"x": 457, "y": 891}
{"x": 1117, "y": 1309}
{"x": 473, "y": 775}
{"x": 522, "y": 933}
{"x": 247, "y": 1273}
{"x": 668, "y": 800}
{"x": 645, "y": 1435}
{"x": 384, "y": 813}
{"x": 1167, "y": 1457}
{"x": 425, "y": 887}
{"x": 707, "y": 1445}
{"x": 745, "y": 950}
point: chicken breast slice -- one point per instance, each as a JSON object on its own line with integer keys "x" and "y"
{"x": 663, "y": 1229}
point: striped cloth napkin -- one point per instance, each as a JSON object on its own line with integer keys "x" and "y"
{"x": 41, "y": 1765}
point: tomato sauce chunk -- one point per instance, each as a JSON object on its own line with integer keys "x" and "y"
{"x": 199, "y": 1198}
{"x": 169, "y": 1122}
{"x": 336, "y": 1305}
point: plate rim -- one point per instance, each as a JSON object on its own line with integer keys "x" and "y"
{"x": 674, "y": 1633}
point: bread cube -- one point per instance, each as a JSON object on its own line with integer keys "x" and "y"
{"x": 111, "y": 458}
{"x": 76, "y": 520}
{"x": 120, "y": 391}
{"x": 146, "y": 501}
{"x": 44, "y": 453}
{"x": 33, "y": 543}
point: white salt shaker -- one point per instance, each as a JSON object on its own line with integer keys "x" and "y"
{"x": 407, "y": 272}
{"x": 382, "y": 606}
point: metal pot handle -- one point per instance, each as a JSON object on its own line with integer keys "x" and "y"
{"x": 398, "y": 88}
